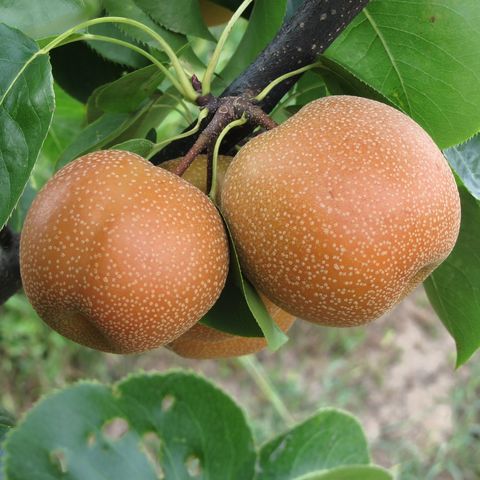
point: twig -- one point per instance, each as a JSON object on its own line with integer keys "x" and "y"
{"x": 302, "y": 38}
{"x": 10, "y": 280}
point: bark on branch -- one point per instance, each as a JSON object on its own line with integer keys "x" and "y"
{"x": 9, "y": 267}
{"x": 307, "y": 34}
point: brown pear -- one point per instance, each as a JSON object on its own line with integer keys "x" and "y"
{"x": 122, "y": 256}
{"x": 342, "y": 210}
{"x": 196, "y": 173}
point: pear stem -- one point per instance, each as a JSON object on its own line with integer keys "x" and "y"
{"x": 259, "y": 376}
{"x": 236, "y": 123}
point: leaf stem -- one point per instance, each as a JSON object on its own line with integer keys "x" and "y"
{"x": 236, "y": 123}
{"x": 158, "y": 146}
{"x": 261, "y": 96}
{"x": 259, "y": 376}
{"x": 174, "y": 109}
{"x": 281, "y": 105}
{"x": 185, "y": 86}
{"x": 135, "y": 48}
{"x": 188, "y": 116}
{"x": 207, "y": 78}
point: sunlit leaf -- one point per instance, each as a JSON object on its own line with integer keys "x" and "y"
{"x": 423, "y": 56}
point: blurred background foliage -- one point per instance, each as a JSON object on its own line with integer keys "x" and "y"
{"x": 396, "y": 375}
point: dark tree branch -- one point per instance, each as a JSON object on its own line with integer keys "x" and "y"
{"x": 307, "y": 34}
{"x": 301, "y": 39}
{"x": 9, "y": 266}
{"x": 226, "y": 110}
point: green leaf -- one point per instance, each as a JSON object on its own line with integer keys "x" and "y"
{"x": 6, "y": 423}
{"x": 6, "y": 419}
{"x": 421, "y": 55}
{"x": 159, "y": 117}
{"x": 465, "y": 160}
{"x": 140, "y": 146}
{"x": 68, "y": 120}
{"x": 79, "y": 70}
{"x": 329, "y": 439}
{"x": 4, "y": 429}
{"x": 179, "y": 43}
{"x": 44, "y": 18}
{"x": 181, "y": 16}
{"x": 116, "y": 53}
{"x": 230, "y": 4}
{"x": 311, "y": 86}
{"x": 97, "y": 135}
{"x": 266, "y": 19}
{"x": 44, "y": 42}
{"x": 21, "y": 209}
{"x": 340, "y": 81}
{"x": 167, "y": 426}
{"x": 240, "y": 310}
{"x": 26, "y": 109}
{"x": 128, "y": 92}
{"x": 107, "y": 130}
{"x": 357, "y": 472}
{"x": 454, "y": 287}
{"x": 94, "y": 112}
{"x": 130, "y": 9}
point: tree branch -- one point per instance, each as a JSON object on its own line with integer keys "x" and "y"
{"x": 9, "y": 265}
{"x": 307, "y": 34}
{"x": 301, "y": 39}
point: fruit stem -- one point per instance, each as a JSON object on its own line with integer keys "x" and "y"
{"x": 210, "y": 170}
{"x": 261, "y": 96}
{"x": 158, "y": 146}
{"x": 289, "y": 98}
{"x": 259, "y": 376}
{"x": 182, "y": 84}
{"x": 212, "y": 64}
{"x": 236, "y": 123}
{"x": 184, "y": 105}
{"x": 166, "y": 106}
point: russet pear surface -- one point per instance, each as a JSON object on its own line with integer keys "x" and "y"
{"x": 342, "y": 210}
{"x": 196, "y": 173}
{"x": 122, "y": 256}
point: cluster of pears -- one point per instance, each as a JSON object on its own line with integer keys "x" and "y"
{"x": 337, "y": 214}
